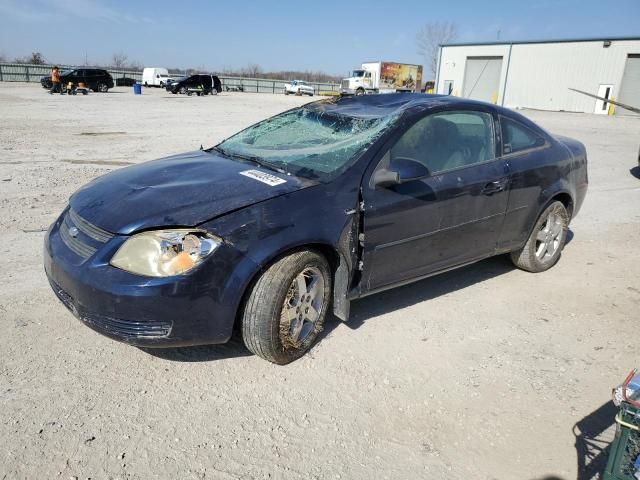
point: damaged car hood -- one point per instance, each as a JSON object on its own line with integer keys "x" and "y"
{"x": 182, "y": 190}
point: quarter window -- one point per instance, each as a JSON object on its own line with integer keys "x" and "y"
{"x": 517, "y": 138}
{"x": 448, "y": 140}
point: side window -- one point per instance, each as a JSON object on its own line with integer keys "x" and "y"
{"x": 517, "y": 138}
{"x": 448, "y": 140}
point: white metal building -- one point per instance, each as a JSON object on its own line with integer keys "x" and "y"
{"x": 539, "y": 74}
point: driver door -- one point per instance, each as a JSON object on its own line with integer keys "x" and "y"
{"x": 452, "y": 216}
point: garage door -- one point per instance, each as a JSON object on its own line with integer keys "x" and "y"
{"x": 630, "y": 87}
{"x": 482, "y": 78}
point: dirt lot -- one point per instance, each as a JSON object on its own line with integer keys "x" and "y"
{"x": 480, "y": 373}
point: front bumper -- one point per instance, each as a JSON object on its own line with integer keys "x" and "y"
{"x": 192, "y": 309}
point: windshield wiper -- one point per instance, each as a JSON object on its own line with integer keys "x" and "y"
{"x": 220, "y": 150}
{"x": 251, "y": 158}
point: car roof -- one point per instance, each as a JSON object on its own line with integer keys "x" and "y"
{"x": 382, "y": 105}
{"x": 83, "y": 68}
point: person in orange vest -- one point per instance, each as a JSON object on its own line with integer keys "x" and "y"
{"x": 55, "y": 81}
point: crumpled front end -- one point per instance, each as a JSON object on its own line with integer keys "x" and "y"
{"x": 155, "y": 312}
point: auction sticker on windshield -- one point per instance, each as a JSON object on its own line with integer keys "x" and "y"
{"x": 271, "y": 180}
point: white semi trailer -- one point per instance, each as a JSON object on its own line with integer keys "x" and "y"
{"x": 383, "y": 77}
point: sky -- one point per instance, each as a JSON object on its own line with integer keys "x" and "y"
{"x": 321, "y": 35}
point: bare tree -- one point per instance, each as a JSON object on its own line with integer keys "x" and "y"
{"x": 36, "y": 58}
{"x": 119, "y": 60}
{"x": 134, "y": 65}
{"x": 429, "y": 37}
{"x": 253, "y": 70}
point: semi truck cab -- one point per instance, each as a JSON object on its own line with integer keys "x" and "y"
{"x": 359, "y": 83}
{"x": 382, "y": 77}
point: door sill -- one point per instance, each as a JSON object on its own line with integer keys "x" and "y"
{"x": 354, "y": 295}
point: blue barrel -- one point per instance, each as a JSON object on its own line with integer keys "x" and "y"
{"x": 137, "y": 89}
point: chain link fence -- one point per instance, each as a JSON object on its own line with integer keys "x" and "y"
{"x": 18, "y": 72}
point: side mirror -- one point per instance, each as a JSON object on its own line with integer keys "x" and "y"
{"x": 401, "y": 170}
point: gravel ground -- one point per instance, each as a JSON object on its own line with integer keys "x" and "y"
{"x": 485, "y": 372}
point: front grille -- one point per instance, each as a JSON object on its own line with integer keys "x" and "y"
{"x": 115, "y": 326}
{"x": 126, "y": 328}
{"x": 73, "y": 221}
{"x": 85, "y": 227}
{"x": 345, "y": 84}
{"x": 76, "y": 246}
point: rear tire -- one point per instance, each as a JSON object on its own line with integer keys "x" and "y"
{"x": 287, "y": 306}
{"x": 102, "y": 87}
{"x": 548, "y": 237}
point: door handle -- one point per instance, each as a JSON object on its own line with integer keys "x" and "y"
{"x": 494, "y": 187}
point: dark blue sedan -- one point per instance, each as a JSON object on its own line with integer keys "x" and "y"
{"x": 306, "y": 211}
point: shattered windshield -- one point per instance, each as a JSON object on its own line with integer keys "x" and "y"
{"x": 306, "y": 142}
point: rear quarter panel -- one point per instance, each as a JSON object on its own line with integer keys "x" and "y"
{"x": 537, "y": 176}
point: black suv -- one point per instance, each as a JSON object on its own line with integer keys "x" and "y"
{"x": 96, "y": 79}
{"x": 204, "y": 82}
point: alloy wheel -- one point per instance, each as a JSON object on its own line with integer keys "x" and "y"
{"x": 302, "y": 307}
{"x": 549, "y": 237}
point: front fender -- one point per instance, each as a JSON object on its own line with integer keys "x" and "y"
{"x": 264, "y": 232}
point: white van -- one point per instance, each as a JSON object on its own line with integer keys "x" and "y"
{"x": 155, "y": 77}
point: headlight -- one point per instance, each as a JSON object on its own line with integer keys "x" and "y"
{"x": 163, "y": 253}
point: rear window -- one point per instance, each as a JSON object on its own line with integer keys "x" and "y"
{"x": 518, "y": 138}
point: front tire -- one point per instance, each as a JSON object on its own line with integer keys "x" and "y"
{"x": 544, "y": 246}
{"x": 102, "y": 87}
{"x": 359, "y": 92}
{"x": 287, "y": 306}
